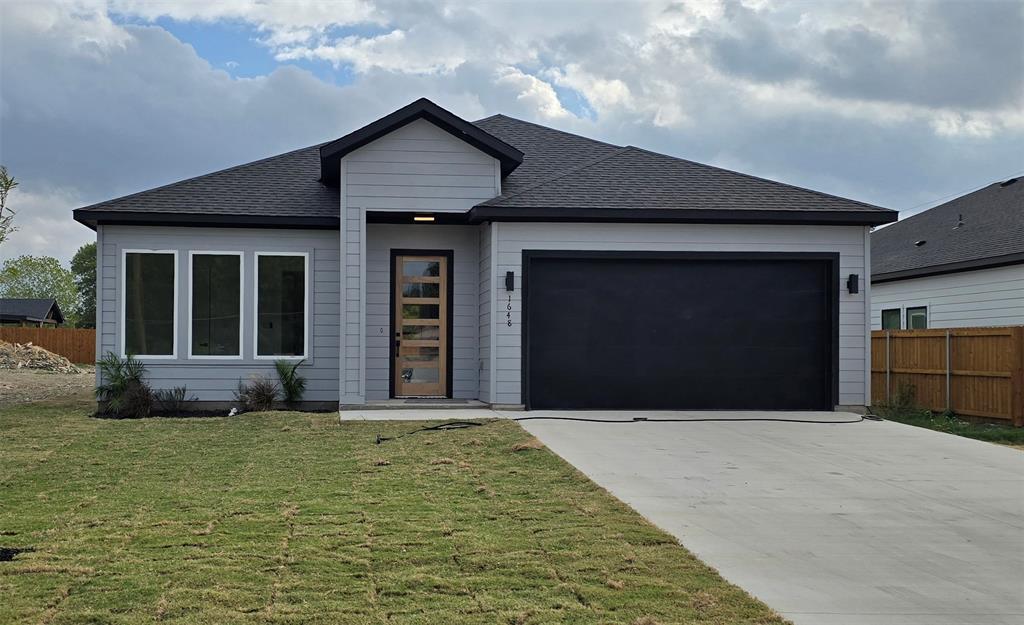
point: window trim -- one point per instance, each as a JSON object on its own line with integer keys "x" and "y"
{"x": 899, "y": 318}
{"x": 906, "y": 316}
{"x": 124, "y": 305}
{"x": 256, "y": 307}
{"x": 241, "y": 304}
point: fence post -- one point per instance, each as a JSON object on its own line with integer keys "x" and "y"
{"x": 888, "y": 390}
{"x": 949, "y": 371}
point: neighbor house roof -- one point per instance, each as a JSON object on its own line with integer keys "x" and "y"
{"x": 978, "y": 230}
{"x": 30, "y": 309}
{"x": 548, "y": 174}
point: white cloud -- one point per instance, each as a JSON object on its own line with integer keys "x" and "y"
{"x": 539, "y": 95}
{"x": 885, "y": 102}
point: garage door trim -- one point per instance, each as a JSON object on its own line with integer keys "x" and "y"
{"x": 832, "y": 258}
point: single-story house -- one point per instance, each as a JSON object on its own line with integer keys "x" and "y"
{"x": 30, "y": 312}
{"x": 427, "y": 256}
{"x": 959, "y": 264}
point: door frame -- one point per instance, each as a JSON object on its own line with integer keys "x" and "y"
{"x": 449, "y": 323}
{"x": 832, "y": 258}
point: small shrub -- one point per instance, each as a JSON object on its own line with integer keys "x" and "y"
{"x": 903, "y": 403}
{"x": 293, "y": 385}
{"x": 123, "y": 387}
{"x": 258, "y": 394}
{"x": 172, "y": 401}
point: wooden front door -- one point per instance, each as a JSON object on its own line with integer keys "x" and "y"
{"x": 421, "y": 341}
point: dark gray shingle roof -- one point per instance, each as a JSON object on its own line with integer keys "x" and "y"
{"x": 992, "y": 232}
{"x": 286, "y": 185}
{"x": 558, "y": 170}
{"x": 547, "y": 151}
{"x": 30, "y": 309}
{"x": 633, "y": 178}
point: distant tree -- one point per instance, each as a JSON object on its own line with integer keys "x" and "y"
{"x": 83, "y": 268}
{"x": 43, "y": 277}
{"x": 7, "y": 184}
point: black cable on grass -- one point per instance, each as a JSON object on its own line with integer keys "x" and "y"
{"x": 461, "y": 425}
{"x": 451, "y": 425}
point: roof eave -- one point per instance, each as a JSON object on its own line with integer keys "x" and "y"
{"x": 331, "y": 153}
{"x": 482, "y": 213}
{"x": 93, "y": 218}
{"x": 948, "y": 268}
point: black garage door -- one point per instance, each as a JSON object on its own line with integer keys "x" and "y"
{"x": 679, "y": 331}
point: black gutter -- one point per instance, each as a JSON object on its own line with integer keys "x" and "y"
{"x": 479, "y": 214}
{"x": 93, "y": 218}
{"x": 938, "y": 270}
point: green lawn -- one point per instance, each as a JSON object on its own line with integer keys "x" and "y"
{"x": 295, "y": 518}
{"x": 951, "y": 424}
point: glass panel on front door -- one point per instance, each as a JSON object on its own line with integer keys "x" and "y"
{"x": 420, "y": 350}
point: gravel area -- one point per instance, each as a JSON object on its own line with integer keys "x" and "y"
{"x": 27, "y": 385}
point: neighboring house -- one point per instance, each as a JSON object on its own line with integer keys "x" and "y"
{"x": 30, "y": 312}
{"x": 960, "y": 264}
{"x": 502, "y": 261}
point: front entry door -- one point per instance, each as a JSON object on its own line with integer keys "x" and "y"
{"x": 420, "y": 366}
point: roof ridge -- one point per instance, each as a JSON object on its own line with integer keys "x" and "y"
{"x": 562, "y": 174}
{"x": 212, "y": 173}
{"x": 762, "y": 179}
{"x": 563, "y": 132}
{"x": 923, "y": 213}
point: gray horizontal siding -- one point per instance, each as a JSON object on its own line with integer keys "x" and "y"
{"x": 513, "y": 238}
{"x": 419, "y": 167}
{"x": 216, "y": 380}
{"x": 987, "y": 297}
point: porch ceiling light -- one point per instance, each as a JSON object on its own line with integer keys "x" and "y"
{"x": 423, "y": 218}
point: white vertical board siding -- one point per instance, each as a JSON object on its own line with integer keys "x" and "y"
{"x": 464, "y": 241}
{"x": 484, "y": 327}
{"x": 848, "y": 241}
{"x": 986, "y": 297}
{"x": 419, "y": 167}
{"x": 217, "y": 380}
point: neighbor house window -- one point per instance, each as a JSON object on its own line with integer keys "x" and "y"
{"x": 281, "y": 287}
{"x": 150, "y": 295}
{"x": 917, "y": 318}
{"x": 891, "y": 319}
{"x": 216, "y": 304}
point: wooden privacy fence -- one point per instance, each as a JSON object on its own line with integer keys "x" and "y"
{"x": 977, "y": 372}
{"x": 76, "y": 344}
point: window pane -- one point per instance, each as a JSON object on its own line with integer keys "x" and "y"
{"x": 891, "y": 319}
{"x": 421, "y": 333}
{"x": 281, "y": 306}
{"x": 216, "y": 300}
{"x": 420, "y": 376}
{"x": 149, "y": 304}
{"x": 917, "y": 318}
{"x": 421, "y": 289}
{"x": 421, "y": 311}
{"x": 421, "y": 268}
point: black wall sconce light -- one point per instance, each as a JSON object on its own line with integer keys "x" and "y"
{"x": 853, "y": 283}
{"x": 510, "y": 281}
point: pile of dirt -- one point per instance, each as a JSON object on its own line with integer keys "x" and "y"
{"x": 29, "y": 356}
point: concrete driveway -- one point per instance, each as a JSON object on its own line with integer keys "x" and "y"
{"x": 869, "y": 523}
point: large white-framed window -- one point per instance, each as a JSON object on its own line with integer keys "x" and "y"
{"x": 149, "y": 303}
{"x": 215, "y": 315}
{"x": 281, "y": 305}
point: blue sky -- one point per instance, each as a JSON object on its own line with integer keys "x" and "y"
{"x": 897, "y": 104}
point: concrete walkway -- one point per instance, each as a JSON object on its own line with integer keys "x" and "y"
{"x": 869, "y": 523}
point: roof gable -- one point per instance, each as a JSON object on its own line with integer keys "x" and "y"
{"x": 332, "y": 153}
{"x": 30, "y": 309}
{"x": 984, "y": 228}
